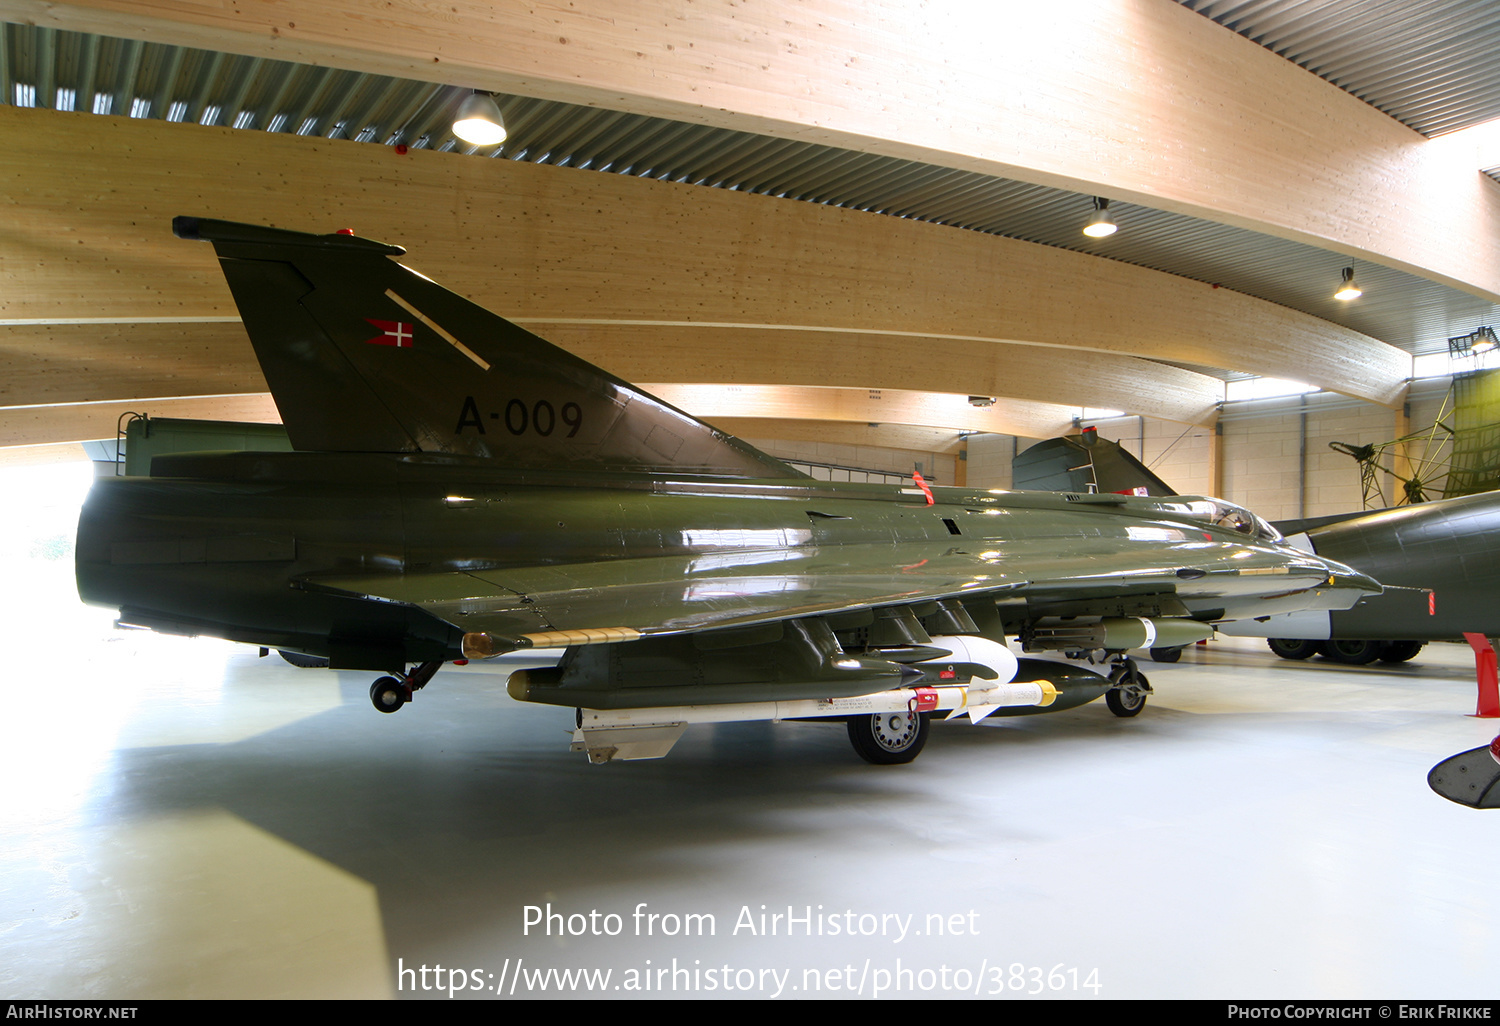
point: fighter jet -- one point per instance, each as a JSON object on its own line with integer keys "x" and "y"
{"x": 462, "y": 489}
{"x": 1439, "y": 561}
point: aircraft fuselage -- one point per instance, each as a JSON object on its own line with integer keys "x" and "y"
{"x": 233, "y": 545}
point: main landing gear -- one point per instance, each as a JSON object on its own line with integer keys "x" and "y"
{"x": 1128, "y": 695}
{"x": 889, "y": 738}
{"x": 390, "y": 693}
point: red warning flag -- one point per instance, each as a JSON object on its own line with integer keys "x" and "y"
{"x": 394, "y": 333}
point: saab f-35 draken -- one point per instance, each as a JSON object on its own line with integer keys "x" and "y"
{"x": 462, "y": 489}
{"x": 1439, "y": 560}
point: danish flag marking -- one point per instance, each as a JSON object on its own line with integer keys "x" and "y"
{"x": 393, "y": 333}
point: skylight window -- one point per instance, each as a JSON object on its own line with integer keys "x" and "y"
{"x": 1265, "y": 388}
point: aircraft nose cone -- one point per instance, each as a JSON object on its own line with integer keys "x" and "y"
{"x": 1341, "y": 576}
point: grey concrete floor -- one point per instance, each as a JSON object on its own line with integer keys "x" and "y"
{"x": 184, "y": 819}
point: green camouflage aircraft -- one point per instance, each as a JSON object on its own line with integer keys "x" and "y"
{"x": 462, "y": 489}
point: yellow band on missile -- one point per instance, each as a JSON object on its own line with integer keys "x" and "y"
{"x": 1049, "y": 692}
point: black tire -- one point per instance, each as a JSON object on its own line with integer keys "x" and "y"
{"x": 387, "y": 694}
{"x": 1125, "y": 703}
{"x": 1166, "y": 655}
{"x": 1130, "y": 699}
{"x": 1293, "y": 648}
{"x": 889, "y": 739}
{"x": 307, "y": 662}
{"x": 1351, "y": 653}
{"x": 1399, "y": 651}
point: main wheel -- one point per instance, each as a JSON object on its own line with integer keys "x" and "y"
{"x": 890, "y": 738}
{"x": 387, "y": 694}
{"x": 1352, "y": 653}
{"x": 1293, "y": 648}
{"x": 307, "y": 662}
{"x": 1399, "y": 651}
{"x": 1166, "y": 655}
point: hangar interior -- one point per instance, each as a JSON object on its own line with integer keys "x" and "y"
{"x": 850, "y": 233}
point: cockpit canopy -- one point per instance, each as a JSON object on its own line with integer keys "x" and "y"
{"x": 1221, "y": 513}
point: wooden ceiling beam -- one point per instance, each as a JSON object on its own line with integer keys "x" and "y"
{"x": 761, "y": 406}
{"x": 867, "y": 406}
{"x": 90, "y": 240}
{"x": 52, "y": 425}
{"x": 1141, "y": 100}
{"x": 75, "y": 363}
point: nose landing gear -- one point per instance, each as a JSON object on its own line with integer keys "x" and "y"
{"x": 1128, "y": 696}
{"x": 390, "y": 693}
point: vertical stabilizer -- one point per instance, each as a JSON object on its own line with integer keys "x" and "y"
{"x": 365, "y": 355}
{"x": 1081, "y": 463}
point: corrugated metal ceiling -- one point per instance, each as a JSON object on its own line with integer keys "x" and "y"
{"x": 1433, "y": 65}
{"x": 72, "y": 71}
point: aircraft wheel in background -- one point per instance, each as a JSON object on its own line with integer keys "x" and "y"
{"x": 1166, "y": 655}
{"x": 1293, "y": 648}
{"x": 387, "y": 694}
{"x": 1399, "y": 651}
{"x": 1353, "y": 653}
{"x": 889, "y": 738}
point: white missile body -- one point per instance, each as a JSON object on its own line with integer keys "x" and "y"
{"x": 607, "y": 734}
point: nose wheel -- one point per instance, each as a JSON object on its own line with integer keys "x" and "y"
{"x": 388, "y": 694}
{"x": 1128, "y": 695}
{"x": 392, "y": 692}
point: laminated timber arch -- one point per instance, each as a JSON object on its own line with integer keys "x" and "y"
{"x": 74, "y": 363}
{"x": 658, "y": 281}
{"x": 901, "y": 409}
{"x": 769, "y": 411}
{"x": 1140, "y": 100}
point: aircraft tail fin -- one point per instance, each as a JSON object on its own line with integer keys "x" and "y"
{"x": 363, "y": 354}
{"x": 1081, "y": 463}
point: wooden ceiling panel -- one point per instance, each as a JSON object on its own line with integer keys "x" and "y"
{"x": 1141, "y": 101}
{"x": 557, "y": 246}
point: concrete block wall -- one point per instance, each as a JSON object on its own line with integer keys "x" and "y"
{"x": 1179, "y": 454}
{"x": 1277, "y": 458}
{"x": 990, "y": 459}
{"x": 937, "y": 468}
